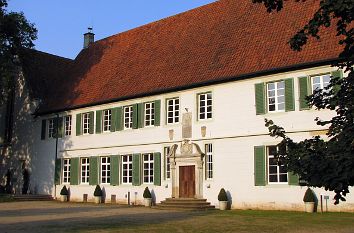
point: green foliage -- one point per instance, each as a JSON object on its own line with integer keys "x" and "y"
{"x": 98, "y": 191}
{"x": 222, "y": 195}
{"x": 309, "y": 196}
{"x": 16, "y": 33}
{"x": 325, "y": 163}
{"x": 147, "y": 193}
{"x": 64, "y": 191}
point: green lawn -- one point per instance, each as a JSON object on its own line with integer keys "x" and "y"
{"x": 232, "y": 221}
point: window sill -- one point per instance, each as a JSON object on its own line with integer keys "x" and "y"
{"x": 280, "y": 185}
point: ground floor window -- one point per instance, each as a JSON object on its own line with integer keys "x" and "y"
{"x": 167, "y": 163}
{"x": 127, "y": 169}
{"x": 105, "y": 170}
{"x": 66, "y": 171}
{"x": 209, "y": 161}
{"x": 148, "y": 160}
{"x": 277, "y": 173}
{"x": 85, "y": 169}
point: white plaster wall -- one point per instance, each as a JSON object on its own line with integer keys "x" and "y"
{"x": 234, "y": 131}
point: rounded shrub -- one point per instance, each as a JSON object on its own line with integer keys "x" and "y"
{"x": 64, "y": 191}
{"x": 222, "y": 195}
{"x": 309, "y": 196}
{"x": 98, "y": 191}
{"x": 147, "y": 193}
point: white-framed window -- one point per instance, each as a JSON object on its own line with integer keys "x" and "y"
{"x": 128, "y": 117}
{"x": 276, "y": 96}
{"x": 86, "y": 123}
{"x": 149, "y": 114}
{"x": 209, "y": 161}
{"x": 105, "y": 170}
{"x": 172, "y": 110}
{"x": 127, "y": 169}
{"x": 205, "y": 106}
{"x": 277, "y": 173}
{"x": 66, "y": 170}
{"x": 85, "y": 170}
{"x": 167, "y": 163}
{"x": 106, "y": 120}
{"x": 67, "y": 125}
{"x": 320, "y": 81}
{"x": 51, "y": 128}
{"x": 148, "y": 161}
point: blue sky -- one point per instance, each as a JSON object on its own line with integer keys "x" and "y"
{"x": 61, "y": 23}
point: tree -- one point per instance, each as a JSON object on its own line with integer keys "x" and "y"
{"x": 16, "y": 33}
{"x": 327, "y": 163}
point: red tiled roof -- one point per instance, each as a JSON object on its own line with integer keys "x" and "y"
{"x": 43, "y": 72}
{"x": 228, "y": 38}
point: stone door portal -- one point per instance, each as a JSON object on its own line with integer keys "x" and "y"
{"x": 187, "y": 181}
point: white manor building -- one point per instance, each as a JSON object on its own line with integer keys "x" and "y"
{"x": 177, "y": 105}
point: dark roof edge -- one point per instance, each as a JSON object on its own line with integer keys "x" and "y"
{"x": 200, "y": 84}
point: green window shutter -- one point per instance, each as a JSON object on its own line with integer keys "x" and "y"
{"x": 141, "y": 108}
{"x": 93, "y": 179}
{"x": 157, "y": 112}
{"x": 57, "y": 171}
{"x": 119, "y": 119}
{"x": 289, "y": 95}
{"x": 293, "y": 179}
{"x": 60, "y": 129}
{"x": 136, "y": 169}
{"x": 260, "y": 98}
{"x": 55, "y": 127}
{"x": 135, "y": 116}
{"x": 157, "y": 168}
{"x": 304, "y": 90}
{"x": 98, "y": 121}
{"x": 78, "y": 124}
{"x": 91, "y": 122}
{"x": 337, "y": 74}
{"x": 259, "y": 166}
{"x": 115, "y": 170}
{"x": 113, "y": 119}
{"x": 44, "y": 129}
{"x": 74, "y": 171}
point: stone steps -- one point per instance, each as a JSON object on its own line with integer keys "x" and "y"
{"x": 185, "y": 204}
{"x": 32, "y": 197}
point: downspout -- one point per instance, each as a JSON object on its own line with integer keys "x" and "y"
{"x": 56, "y": 152}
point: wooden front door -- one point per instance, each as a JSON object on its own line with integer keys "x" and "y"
{"x": 187, "y": 181}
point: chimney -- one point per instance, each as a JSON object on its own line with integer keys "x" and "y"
{"x": 89, "y": 38}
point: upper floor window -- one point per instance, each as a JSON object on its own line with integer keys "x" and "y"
{"x": 276, "y": 96}
{"x": 320, "y": 81}
{"x": 105, "y": 170}
{"x": 148, "y": 160}
{"x": 86, "y": 123}
{"x": 66, "y": 170}
{"x": 85, "y": 170}
{"x": 205, "y": 101}
{"x": 277, "y": 173}
{"x": 128, "y": 117}
{"x": 51, "y": 128}
{"x": 127, "y": 169}
{"x": 149, "y": 114}
{"x": 172, "y": 111}
{"x": 107, "y": 119}
{"x": 67, "y": 125}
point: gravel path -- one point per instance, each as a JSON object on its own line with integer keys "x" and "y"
{"x": 60, "y": 217}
